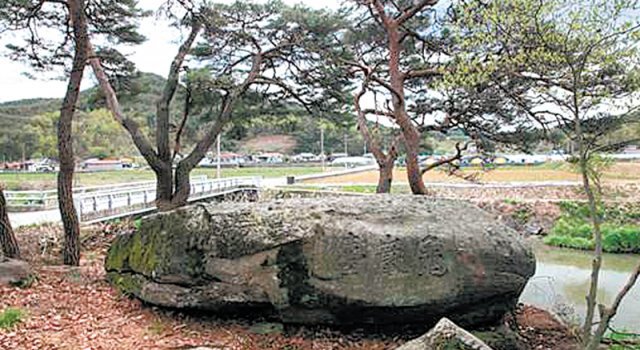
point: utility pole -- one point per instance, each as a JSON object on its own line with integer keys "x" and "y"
{"x": 322, "y": 147}
{"x": 346, "y": 146}
{"x": 218, "y": 172}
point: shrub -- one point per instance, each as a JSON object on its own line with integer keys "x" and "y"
{"x": 522, "y": 215}
{"x": 620, "y": 233}
{"x": 624, "y": 239}
{"x": 569, "y": 242}
{"x": 571, "y": 227}
{"x": 11, "y": 317}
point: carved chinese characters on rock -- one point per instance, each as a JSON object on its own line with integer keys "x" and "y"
{"x": 423, "y": 256}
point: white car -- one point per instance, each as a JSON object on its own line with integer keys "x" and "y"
{"x": 44, "y": 168}
{"x": 305, "y": 157}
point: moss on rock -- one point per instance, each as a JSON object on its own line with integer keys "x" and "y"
{"x": 127, "y": 284}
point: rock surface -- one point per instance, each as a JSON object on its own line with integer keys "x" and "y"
{"x": 446, "y": 335}
{"x": 13, "y": 271}
{"x": 350, "y": 260}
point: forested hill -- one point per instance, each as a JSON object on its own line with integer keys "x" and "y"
{"x": 142, "y": 91}
{"x": 28, "y": 107}
{"x": 28, "y": 126}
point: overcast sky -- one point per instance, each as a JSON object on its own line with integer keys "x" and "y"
{"x": 153, "y": 56}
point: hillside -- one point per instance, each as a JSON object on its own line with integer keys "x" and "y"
{"x": 24, "y": 130}
{"x": 143, "y": 90}
{"x": 28, "y": 126}
{"x": 17, "y": 113}
{"x": 268, "y": 143}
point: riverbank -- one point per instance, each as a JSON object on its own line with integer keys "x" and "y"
{"x": 562, "y": 280}
{"x": 69, "y": 308}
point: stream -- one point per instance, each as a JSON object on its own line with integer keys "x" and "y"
{"x": 562, "y": 278}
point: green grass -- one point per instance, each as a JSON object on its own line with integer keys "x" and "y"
{"x": 620, "y": 229}
{"x": 358, "y": 189}
{"x": 10, "y": 317}
{"x": 42, "y": 181}
{"x": 397, "y": 189}
{"x": 569, "y": 242}
{"x": 632, "y": 339}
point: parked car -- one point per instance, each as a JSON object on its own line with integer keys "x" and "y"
{"x": 44, "y": 168}
{"x": 305, "y": 157}
{"x": 271, "y": 158}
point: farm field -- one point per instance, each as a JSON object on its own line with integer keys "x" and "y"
{"x": 619, "y": 172}
{"x": 41, "y": 181}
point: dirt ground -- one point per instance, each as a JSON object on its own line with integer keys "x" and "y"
{"x": 620, "y": 172}
{"x": 76, "y": 308}
{"x": 612, "y": 192}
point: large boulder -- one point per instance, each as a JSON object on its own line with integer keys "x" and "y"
{"x": 348, "y": 260}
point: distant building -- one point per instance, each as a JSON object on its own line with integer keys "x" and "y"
{"x": 231, "y": 158}
{"x": 226, "y": 159}
{"x": 31, "y": 165}
{"x": 475, "y": 161}
{"x": 500, "y": 160}
{"x": 95, "y": 164}
{"x": 272, "y": 158}
{"x": 14, "y": 166}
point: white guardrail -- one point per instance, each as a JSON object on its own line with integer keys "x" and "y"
{"x": 47, "y": 200}
{"x": 107, "y": 202}
{"x": 110, "y": 205}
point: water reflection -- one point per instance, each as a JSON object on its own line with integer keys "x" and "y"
{"x": 562, "y": 281}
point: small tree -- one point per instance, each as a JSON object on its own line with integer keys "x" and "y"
{"x": 389, "y": 51}
{"x": 246, "y": 49}
{"x": 67, "y": 25}
{"x": 396, "y": 54}
{"x": 568, "y": 65}
{"x": 374, "y": 141}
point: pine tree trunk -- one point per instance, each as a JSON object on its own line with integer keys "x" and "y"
{"x": 71, "y": 250}
{"x": 182, "y": 184}
{"x": 164, "y": 187}
{"x": 7, "y": 238}
{"x": 414, "y": 173}
{"x": 409, "y": 131}
{"x": 385, "y": 177}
